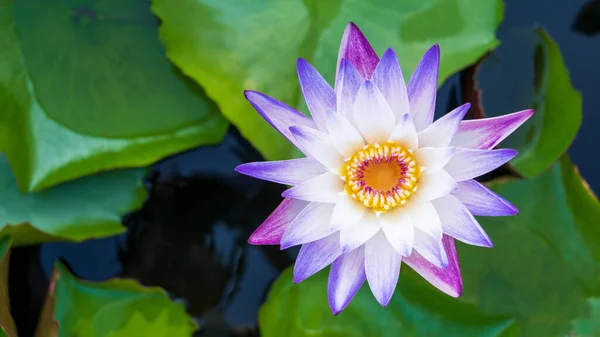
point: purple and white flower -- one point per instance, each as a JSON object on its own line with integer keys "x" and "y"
{"x": 381, "y": 183}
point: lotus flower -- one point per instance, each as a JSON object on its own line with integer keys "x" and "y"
{"x": 381, "y": 183}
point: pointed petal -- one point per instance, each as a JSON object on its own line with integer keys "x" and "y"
{"x": 318, "y": 145}
{"x": 318, "y": 94}
{"x": 279, "y": 115}
{"x": 480, "y": 200}
{"x": 433, "y": 185}
{"x": 356, "y": 49}
{"x": 422, "y": 88}
{"x": 272, "y": 229}
{"x": 440, "y": 133}
{"x": 388, "y": 78}
{"x": 488, "y": 132}
{"x": 346, "y": 139}
{"x": 433, "y": 158}
{"x": 405, "y": 134}
{"x": 423, "y": 216}
{"x": 355, "y": 236}
{"x": 399, "y": 230}
{"x": 311, "y": 224}
{"x": 447, "y": 279}
{"x": 459, "y": 223}
{"x": 316, "y": 255}
{"x": 382, "y": 267}
{"x": 432, "y": 249}
{"x": 288, "y": 172}
{"x": 468, "y": 163}
{"x": 345, "y": 278}
{"x": 372, "y": 115}
{"x": 347, "y": 212}
{"x": 324, "y": 188}
{"x": 348, "y": 82}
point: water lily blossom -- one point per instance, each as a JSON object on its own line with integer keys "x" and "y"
{"x": 381, "y": 184}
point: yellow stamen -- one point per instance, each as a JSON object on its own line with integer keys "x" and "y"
{"x": 381, "y": 176}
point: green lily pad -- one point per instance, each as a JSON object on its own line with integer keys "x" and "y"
{"x": 89, "y": 207}
{"x": 301, "y": 309}
{"x": 542, "y": 275}
{"x": 7, "y": 324}
{"x": 545, "y": 264}
{"x": 558, "y": 113}
{"x": 85, "y": 86}
{"x": 228, "y": 46}
{"x": 115, "y": 308}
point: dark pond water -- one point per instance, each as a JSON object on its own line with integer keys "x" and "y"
{"x": 190, "y": 237}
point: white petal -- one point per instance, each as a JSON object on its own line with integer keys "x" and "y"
{"x": 288, "y": 172}
{"x": 348, "y": 83}
{"x": 424, "y": 217}
{"x": 433, "y": 158}
{"x": 468, "y": 164}
{"x": 318, "y": 94}
{"x": 316, "y": 255}
{"x": 459, "y": 223}
{"x": 345, "y": 278}
{"x": 382, "y": 266}
{"x": 432, "y": 249}
{"x": 319, "y": 145}
{"x": 324, "y": 188}
{"x": 346, "y": 139}
{"x": 357, "y": 235}
{"x": 433, "y": 185}
{"x": 440, "y": 133}
{"x": 422, "y": 88}
{"x": 399, "y": 230}
{"x": 347, "y": 212}
{"x": 388, "y": 78}
{"x": 405, "y": 134}
{"x": 310, "y": 225}
{"x": 372, "y": 115}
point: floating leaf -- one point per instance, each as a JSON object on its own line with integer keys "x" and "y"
{"x": 543, "y": 139}
{"x": 85, "y": 86}
{"x": 88, "y": 207}
{"x": 114, "y": 308}
{"x": 301, "y": 309}
{"x": 7, "y": 325}
{"x": 546, "y": 261}
{"x": 540, "y": 276}
{"x": 229, "y": 46}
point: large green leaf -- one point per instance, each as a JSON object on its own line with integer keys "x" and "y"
{"x": 296, "y": 310}
{"x": 7, "y": 325}
{"x": 231, "y": 45}
{"x": 558, "y": 112}
{"x": 541, "y": 276}
{"x": 545, "y": 264}
{"x": 115, "y": 308}
{"x": 85, "y": 86}
{"x": 88, "y": 207}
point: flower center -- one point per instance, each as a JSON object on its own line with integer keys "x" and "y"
{"x": 381, "y": 176}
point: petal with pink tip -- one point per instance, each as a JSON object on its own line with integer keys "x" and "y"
{"x": 356, "y": 49}
{"x": 272, "y": 229}
{"x": 422, "y": 88}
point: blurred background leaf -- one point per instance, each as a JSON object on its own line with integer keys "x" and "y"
{"x": 590, "y": 324}
{"x": 85, "y": 86}
{"x": 301, "y": 309}
{"x": 229, "y": 46}
{"x": 89, "y": 207}
{"x": 7, "y": 325}
{"x": 558, "y": 113}
{"x": 540, "y": 275}
{"x": 112, "y": 308}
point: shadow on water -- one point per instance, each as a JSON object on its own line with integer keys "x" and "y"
{"x": 190, "y": 236}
